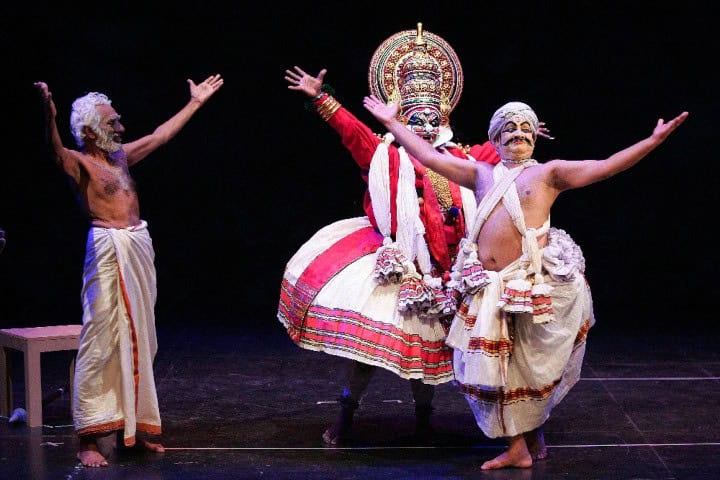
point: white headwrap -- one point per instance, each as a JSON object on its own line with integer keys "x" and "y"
{"x": 506, "y": 113}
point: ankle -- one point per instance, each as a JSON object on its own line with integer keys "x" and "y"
{"x": 348, "y": 403}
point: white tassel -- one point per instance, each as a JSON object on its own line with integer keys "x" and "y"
{"x": 516, "y": 297}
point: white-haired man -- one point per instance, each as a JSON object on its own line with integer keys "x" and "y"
{"x": 114, "y": 390}
{"x": 519, "y": 334}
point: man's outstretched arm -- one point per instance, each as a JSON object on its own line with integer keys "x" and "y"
{"x": 64, "y": 157}
{"x": 576, "y": 174}
{"x": 199, "y": 94}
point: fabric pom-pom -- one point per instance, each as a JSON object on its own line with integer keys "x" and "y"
{"x": 473, "y": 275}
{"x": 451, "y": 215}
{"x": 562, "y": 257}
{"x": 442, "y": 304}
{"x": 415, "y": 296}
{"x": 433, "y": 282}
{"x": 517, "y": 297}
{"x": 468, "y": 276}
{"x": 542, "y": 303}
{"x": 389, "y": 264}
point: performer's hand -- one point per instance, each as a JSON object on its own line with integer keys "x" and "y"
{"x": 544, "y": 132}
{"x": 662, "y": 129}
{"x": 384, "y": 113}
{"x": 303, "y": 82}
{"x": 202, "y": 91}
{"x": 46, "y": 95}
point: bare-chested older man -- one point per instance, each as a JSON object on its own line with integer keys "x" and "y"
{"x": 519, "y": 334}
{"x": 114, "y": 390}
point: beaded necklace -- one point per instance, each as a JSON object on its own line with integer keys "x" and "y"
{"x": 442, "y": 189}
{"x": 518, "y": 162}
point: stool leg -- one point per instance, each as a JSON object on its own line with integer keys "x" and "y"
{"x": 71, "y": 386}
{"x": 6, "y": 400}
{"x": 33, "y": 393}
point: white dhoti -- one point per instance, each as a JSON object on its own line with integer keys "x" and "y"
{"x": 519, "y": 341}
{"x": 330, "y": 302}
{"x": 114, "y": 383}
{"x": 512, "y": 370}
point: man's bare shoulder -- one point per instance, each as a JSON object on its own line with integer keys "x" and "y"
{"x": 68, "y": 158}
{"x": 73, "y": 161}
{"x": 548, "y": 173}
{"x": 553, "y": 168}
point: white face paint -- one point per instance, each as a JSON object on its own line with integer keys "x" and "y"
{"x": 425, "y": 123}
{"x": 512, "y": 112}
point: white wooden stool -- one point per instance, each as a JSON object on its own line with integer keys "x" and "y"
{"x": 32, "y": 342}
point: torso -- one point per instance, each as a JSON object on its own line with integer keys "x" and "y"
{"x": 108, "y": 192}
{"x": 499, "y": 241}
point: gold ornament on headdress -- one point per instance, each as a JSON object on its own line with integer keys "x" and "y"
{"x": 416, "y": 68}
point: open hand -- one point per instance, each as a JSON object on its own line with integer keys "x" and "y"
{"x": 303, "y": 82}
{"x": 384, "y": 113}
{"x": 662, "y": 129}
{"x": 202, "y": 91}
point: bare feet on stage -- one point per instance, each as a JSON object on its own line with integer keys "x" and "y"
{"x": 516, "y": 456}
{"x": 141, "y": 446}
{"x": 94, "y": 450}
{"x": 522, "y": 451}
{"x": 89, "y": 455}
{"x": 535, "y": 440}
{"x": 149, "y": 446}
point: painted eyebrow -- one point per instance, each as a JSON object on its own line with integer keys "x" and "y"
{"x": 513, "y": 125}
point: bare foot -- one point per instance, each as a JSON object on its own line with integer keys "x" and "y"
{"x": 516, "y": 456}
{"x": 535, "y": 440}
{"x": 150, "y": 446}
{"x": 90, "y": 457}
{"x": 505, "y": 460}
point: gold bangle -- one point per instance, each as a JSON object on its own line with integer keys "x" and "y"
{"x": 328, "y": 108}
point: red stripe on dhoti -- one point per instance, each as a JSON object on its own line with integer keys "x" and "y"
{"x": 348, "y": 331}
{"x": 296, "y": 299}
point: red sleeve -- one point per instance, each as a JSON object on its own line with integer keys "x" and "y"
{"x": 356, "y": 137}
{"x": 362, "y": 144}
{"x": 485, "y": 153}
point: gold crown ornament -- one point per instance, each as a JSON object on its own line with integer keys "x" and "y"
{"x": 416, "y": 68}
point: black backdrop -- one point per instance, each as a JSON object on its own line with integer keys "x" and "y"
{"x": 253, "y": 175}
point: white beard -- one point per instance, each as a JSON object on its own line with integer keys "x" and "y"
{"x": 105, "y": 142}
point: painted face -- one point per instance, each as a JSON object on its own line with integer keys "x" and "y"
{"x": 516, "y": 140}
{"x": 424, "y": 122}
{"x": 110, "y": 130}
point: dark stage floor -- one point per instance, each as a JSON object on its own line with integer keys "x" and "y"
{"x": 250, "y": 404}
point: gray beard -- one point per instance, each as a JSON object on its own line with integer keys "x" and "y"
{"x": 105, "y": 142}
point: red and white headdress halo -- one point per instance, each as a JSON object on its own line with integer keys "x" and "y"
{"x": 384, "y": 74}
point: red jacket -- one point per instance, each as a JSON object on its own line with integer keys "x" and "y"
{"x": 442, "y": 238}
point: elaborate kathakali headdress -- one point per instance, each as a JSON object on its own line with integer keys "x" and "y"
{"x": 417, "y": 69}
